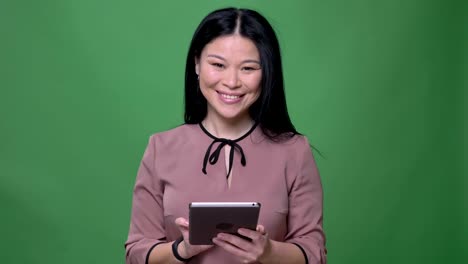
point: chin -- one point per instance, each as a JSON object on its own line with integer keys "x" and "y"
{"x": 233, "y": 116}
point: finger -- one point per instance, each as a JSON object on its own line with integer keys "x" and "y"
{"x": 252, "y": 234}
{"x": 235, "y": 241}
{"x": 242, "y": 254}
{"x": 261, "y": 229}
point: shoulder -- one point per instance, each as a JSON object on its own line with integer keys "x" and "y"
{"x": 182, "y": 130}
{"x": 291, "y": 149}
{"x": 176, "y": 137}
{"x": 294, "y": 143}
{"x": 285, "y": 140}
{"x": 296, "y": 146}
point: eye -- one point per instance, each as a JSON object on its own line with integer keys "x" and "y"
{"x": 217, "y": 65}
{"x": 249, "y": 69}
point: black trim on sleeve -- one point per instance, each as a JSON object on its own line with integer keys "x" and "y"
{"x": 151, "y": 249}
{"x": 303, "y": 252}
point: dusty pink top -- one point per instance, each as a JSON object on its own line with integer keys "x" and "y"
{"x": 283, "y": 177}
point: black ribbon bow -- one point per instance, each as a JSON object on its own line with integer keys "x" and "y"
{"x": 213, "y": 158}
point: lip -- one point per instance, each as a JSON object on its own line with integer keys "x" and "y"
{"x": 231, "y": 94}
{"x": 224, "y": 97}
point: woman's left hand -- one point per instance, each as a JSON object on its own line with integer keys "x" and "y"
{"x": 253, "y": 251}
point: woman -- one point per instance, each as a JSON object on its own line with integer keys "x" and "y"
{"x": 237, "y": 144}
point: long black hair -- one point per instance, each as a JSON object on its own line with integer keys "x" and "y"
{"x": 270, "y": 110}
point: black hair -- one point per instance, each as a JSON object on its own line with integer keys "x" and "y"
{"x": 269, "y": 110}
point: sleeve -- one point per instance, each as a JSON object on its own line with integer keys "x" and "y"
{"x": 147, "y": 217}
{"x": 305, "y": 228}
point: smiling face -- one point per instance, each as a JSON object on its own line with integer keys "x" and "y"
{"x": 230, "y": 76}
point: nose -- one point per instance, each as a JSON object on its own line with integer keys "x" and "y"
{"x": 231, "y": 79}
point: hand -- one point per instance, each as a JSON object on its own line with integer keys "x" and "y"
{"x": 253, "y": 251}
{"x": 186, "y": 250}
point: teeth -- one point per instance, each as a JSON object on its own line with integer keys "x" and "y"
{"x": 232, "y": 97}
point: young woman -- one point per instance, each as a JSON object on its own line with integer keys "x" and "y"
{"x": 237, "y": 145}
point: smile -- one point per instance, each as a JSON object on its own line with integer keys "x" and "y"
{"x": 230, "y": 98}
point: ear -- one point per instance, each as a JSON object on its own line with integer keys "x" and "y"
{"x": 197, "y": 66}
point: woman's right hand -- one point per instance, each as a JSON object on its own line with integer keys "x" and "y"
{"x": 186, "y": 250}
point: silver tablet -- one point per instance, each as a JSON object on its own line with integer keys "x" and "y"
{"x": 208, "y": 219}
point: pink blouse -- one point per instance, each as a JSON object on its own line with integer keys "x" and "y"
{"x": 283, "y": 177}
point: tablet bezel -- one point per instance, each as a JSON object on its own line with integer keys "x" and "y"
{"x": 205, "y": 219}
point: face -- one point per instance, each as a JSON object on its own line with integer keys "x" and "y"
{"x": 230, "y": 75}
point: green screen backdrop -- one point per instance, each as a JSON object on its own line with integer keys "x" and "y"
{"x": 379, "y": 87}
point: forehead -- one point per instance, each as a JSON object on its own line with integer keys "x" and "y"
{"x": 232, "y": 47}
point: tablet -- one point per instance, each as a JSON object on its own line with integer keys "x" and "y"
{"x": 208, "y": 219}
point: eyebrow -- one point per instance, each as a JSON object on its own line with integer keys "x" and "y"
{"x": 221, "y": 58}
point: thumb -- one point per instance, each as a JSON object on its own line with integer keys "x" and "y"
{"x": 183, "y": 226}
{"x": 181, "y": 222}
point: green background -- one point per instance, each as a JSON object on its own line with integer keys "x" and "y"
{"x": 379, "y": 87}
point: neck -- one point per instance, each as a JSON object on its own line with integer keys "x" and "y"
{"x": 229, "y": 129}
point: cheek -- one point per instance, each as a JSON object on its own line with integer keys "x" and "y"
{"x": 255, "y": 83}
{"x": 209, "y": 76}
